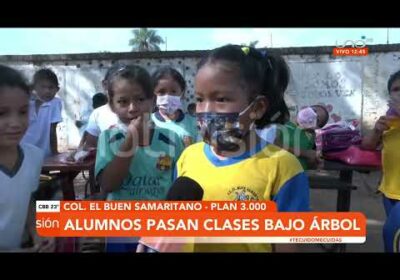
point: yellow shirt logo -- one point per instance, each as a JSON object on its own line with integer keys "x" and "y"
{"x": 164, "y": 162}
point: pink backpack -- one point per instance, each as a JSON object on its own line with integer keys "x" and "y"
{"x": 354, "y": 155}
{"x": 336, "y": 137}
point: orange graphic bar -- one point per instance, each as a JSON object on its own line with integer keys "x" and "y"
{"x": 350, "y": 51}
{"x": 190, "y": 219}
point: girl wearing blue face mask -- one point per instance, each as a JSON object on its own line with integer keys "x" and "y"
{"x": 169, "y": 87}
{"x": 239, "y": 90}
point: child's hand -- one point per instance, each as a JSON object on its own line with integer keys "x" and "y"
{"x": 139, "y": 125}
{"x": 136, "y": 125}
{"x": 381, "y": 125}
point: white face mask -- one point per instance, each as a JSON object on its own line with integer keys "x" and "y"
{"x": 169, "y": 104}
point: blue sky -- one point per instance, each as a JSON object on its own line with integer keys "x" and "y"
{"x": 23, "y": 41}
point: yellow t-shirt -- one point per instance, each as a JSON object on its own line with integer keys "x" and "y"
{"x": 390, "y": 185}
{"x": 266, "y": 173}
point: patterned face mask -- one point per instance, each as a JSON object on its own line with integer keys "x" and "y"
{"x": 222, "y": 130}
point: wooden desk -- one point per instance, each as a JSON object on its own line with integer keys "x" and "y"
{"x": 68, "y": 172}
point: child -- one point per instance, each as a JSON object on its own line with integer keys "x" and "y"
{"x": 169, "y": 88}
{"x": 135, "y": 159}
{"x": 299, "y": 138}
{"x": 387, "y": 133}
{"x": 44, "y": 112}
{"x": 102, "y": 117}
{"x": 98, "y": 100}
{"x": 20, "y": 165}
{"x": 239, "y": 89}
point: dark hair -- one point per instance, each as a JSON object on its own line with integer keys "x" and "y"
{"x": 395, "y": 76}
{"x": 167, "y": 71}
{"x": 10, "y": 77}
{"x": 133, "y": 73}
{"x": 99, "y": 99}
{"x": 325, "y": 121}
{"x": 262, "y": 74}
{"x": 45, "y": 74}
{"x": 110, "y": 71}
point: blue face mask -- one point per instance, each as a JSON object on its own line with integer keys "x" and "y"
{"x": 222, "y": 130}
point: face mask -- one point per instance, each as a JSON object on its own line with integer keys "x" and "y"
{"x": 169, "y": 103}
{"x": 307, "y": 118}
{"x": 222, "y": 130}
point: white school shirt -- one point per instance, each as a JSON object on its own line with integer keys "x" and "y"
{"x": 102, "y": 118}
{"x": 16, "y": 187}
{"x": 38, "y": 132}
